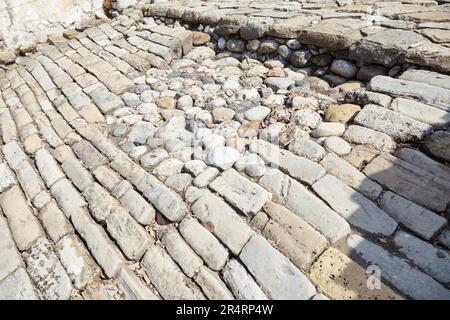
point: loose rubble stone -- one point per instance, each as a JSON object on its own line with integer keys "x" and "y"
{"x": 222, "y": 157}
{"x": 7, "y": 57}
{"x": 344, "y": 68}
{"x": 342, "y": 113}
{"x": 337, "y": 145}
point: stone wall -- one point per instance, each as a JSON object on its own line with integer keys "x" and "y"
{"x": 28, "y": 21}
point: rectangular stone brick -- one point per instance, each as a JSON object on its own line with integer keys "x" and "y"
{"x": 18, "y": 286}
{"x": 305, "y": 204}
{"x": 167, "y": 277}
{"x": 343, "y": 279}
{"x": 48, "y": 167}
{"x": 409, "y": 181}
{"x": 142, "y": 211}
{"x": 77, "y": 261}
{"x": 435, "y": 96}
{"x": 348, "y": 174}
{"x": 68, "y": 198}
{"x": 133, "y": 287}
{"x": 241, "y": 283}
{"x": 293, "y": 237}
{"x": 131, "y": 237}
{"x": 55, "y": 222}
{"x": 10, "y": 259}
{"x": 203, "y": 243}
{"x": 433, "y": 260}
{"x": 354, "y": 207}
{"x": 277, "y": 275}
{"x": 25, "y": 227}
{"x": 163, "y": 199}
{"x": 100, "y": 246}
{"x": 47, "y": 272}
{"x": 212, "y": 285}
{"x": 421, "y": 221}
{"x": 300, "y": 168}
{"x": 226, "y": 224}
{"x": 240, "y": 192}
{"x": 396, "y": 271}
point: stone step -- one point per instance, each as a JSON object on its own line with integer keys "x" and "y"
{"x": 410, "y": 182}
{"x": 424, "y": 162}
{"x": 400, "y": 127}
{"x": 397, "y": 272}
{"x": 421, "y": 221}
{"x": 305, "y": 204}
{"x": 354, "y": 207}
{"x": 425, "y": 93}
{"x": 429, "y": 77}
{"x": 434, "y": 261}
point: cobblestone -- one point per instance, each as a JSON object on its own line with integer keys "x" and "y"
{"x": 247, "y": 150}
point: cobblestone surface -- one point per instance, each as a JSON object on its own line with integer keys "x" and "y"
{"x": 140, "y": 160}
